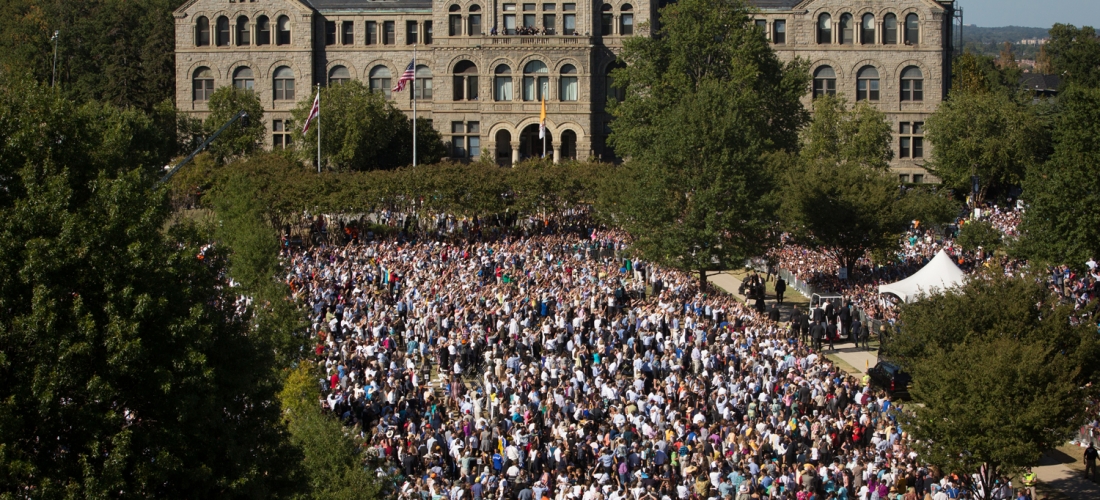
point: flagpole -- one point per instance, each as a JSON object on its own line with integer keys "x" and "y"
{"x": 414, "y": 104}
{"x": 318, "y": 128}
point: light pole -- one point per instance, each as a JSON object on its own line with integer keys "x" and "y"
{"x": 53, "y": 81}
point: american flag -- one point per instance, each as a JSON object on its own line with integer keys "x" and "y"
{"x": 314, "y": 112}
{"x": 407, "y": 76}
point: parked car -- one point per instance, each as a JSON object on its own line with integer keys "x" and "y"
{"x": 890, "y": 377}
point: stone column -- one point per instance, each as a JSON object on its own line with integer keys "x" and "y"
{"x": 584, "y": 150}
{"x": 557, "y": 153}
{"x": 515, "y": 152}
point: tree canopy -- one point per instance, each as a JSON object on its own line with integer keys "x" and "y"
{"x": 706, "y": 99}
{"x": 242, "y": 138}
{"x": 125, "y": 368}
{"x": 114, "y": 51}
{"x": 361, "y": 130}
{"x": 1075, "y": 54}
{"x": 839, "y": 198}
{"x": 987, "y": 134}
{"x": 996, "y": 343}
{"x": 1062, "y": 222}
{"x": 838, "y": 135}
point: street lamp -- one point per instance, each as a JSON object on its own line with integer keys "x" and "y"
{"x": 56, "y": 35}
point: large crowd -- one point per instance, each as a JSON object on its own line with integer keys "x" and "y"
{"x": 916, "y": 248}
{"x": 534, "y": 361}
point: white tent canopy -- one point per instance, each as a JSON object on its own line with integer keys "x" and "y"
{"x": 939, "y": 274}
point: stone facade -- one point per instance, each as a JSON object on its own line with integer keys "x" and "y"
{"x": 867, "y": 51}
{"x": 469, "y": 63}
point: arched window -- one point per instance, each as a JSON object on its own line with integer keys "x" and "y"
{"x": 912, "y": 84}
{"x": 569, "y": 86}
{"x": 422, "y": 86}
{"x": 244, "y": 36}
{"x": 824, "y": 29}
{"x": 473, "y": 20}
{"x": 502, "y": 83}
{"x": 221, "y": 32}
{"x": 465, "y": 81}
{"x": 284, "y": 84}
{"x": 847, "y": 29}
{"x": 202, "y": 32}
{"x": 606, "y": 20}
{"x": 282, "y": 31}
{"x": 379, "y": 79}
{"x": 890, "y": 29}
{"x": 202, "y": 84}
{"x": 263, "y": 31}
{"x": 824, "y": 81}
{"x": 536, "y": 82}
{"x": 242, "y": 78}
{"x": 609, "y": 83}
{"x": 626, "y": 20}
{"x": 867, "y": 30}
{"x": 338, "y": 75}
{"x": 867, "y": 84}
{"x": 912, "y": 29}
{"x": 454, "y": 21}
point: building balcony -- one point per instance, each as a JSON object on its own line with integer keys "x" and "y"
{"x": 516, "y": 41}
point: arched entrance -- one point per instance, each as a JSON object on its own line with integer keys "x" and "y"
{"x": 531, "y": 146}
{"x": 504, "y": 147}
{"x": 568, "y": 145}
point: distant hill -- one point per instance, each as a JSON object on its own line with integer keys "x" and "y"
{"x": 988, "y": 41}
{"x": 1014, "y": 34}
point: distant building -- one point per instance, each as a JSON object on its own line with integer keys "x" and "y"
{"x": 483, "y": 67}
{"x": 1041, "y": 85}
{"x": 1034, "y": 41}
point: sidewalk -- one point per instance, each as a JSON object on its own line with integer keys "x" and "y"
{"x": 1063, "y": 473}
{"x": 792, "y": 298}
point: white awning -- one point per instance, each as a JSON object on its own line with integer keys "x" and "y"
{"x": 940, "y": 274}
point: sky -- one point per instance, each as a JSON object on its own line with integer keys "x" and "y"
{"x": 1030, "y": 13}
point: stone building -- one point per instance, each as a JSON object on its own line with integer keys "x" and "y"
{"x": 894, "y": 54}
{"x": 483, "y": 67}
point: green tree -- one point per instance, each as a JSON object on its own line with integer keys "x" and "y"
{"x": 429, "y": 143}
{"x": 978, "y": 73}
{"x": 361, "y": 130}
{"x": 840, "y": 199}
{"x": 116, "y": 51}
{"x": 334, "y": 467}
{"x": 1062, "y": 222}
{"x": 979, "y": 233}
{"x": 242, "y": 138}
{"x": 996, "y": 343}
{"x": 967, "y": 74}
{"x": 839, "y": 135}
{"x": 844, "y": 210}
{"x": 986, "y": 134}
{"x": 705, "y": 99}
{"x": 118, "y": 346}
{"x": 1075, "y": 54}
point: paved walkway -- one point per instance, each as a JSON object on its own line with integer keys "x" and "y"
{"x": 1054, "y": 471}
{"x": 860, "y": 359}
{"x": 731, "y": 284}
